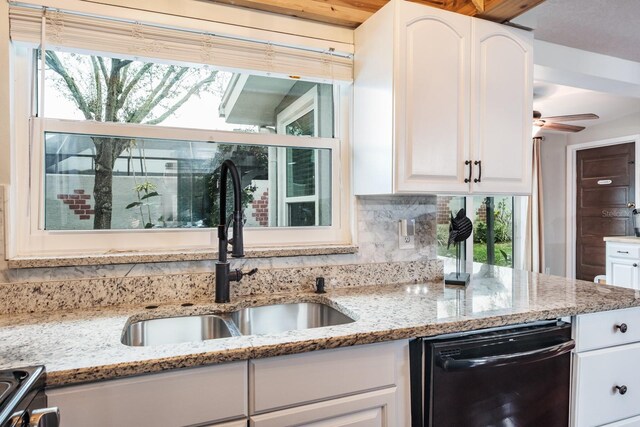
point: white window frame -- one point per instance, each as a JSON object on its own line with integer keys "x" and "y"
{"x": 301, "y": 106}
{"x": 27, "y": 195}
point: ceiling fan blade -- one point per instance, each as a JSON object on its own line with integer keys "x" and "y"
{"x": 572, "y": 117}
{"x": 562, "y": 128}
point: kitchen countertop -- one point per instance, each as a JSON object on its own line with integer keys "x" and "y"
{"x": 622, "y": 239}
{"x": 83, "y": 346}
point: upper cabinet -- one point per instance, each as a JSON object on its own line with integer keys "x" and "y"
{"x": 442, "y": 104}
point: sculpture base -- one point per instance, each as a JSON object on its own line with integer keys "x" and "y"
{"x": 457, "y": 279}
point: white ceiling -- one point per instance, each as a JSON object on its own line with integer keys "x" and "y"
{"x": 609, "y": 27}
{"x": 556, "y": 100}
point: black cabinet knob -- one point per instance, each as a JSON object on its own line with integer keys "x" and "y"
{"x": 623, "y": 327}
{"x": 622, "y": 389}
{"x": 635, "y": 265}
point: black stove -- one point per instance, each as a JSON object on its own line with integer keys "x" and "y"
{"x": 22, "y": 399}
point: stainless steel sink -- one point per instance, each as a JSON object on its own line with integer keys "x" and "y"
{"x": 173, "y": 330}
{"x": 268, "y": 319}
{"x": 271, "y": 319}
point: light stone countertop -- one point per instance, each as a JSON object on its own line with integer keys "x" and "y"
{"x": 623, "y": 239}
{"x": 83, "y": 346}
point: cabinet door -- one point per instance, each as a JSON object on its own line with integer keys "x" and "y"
{"x": 237, "y": 423}
{"x": 607, "y": 385}
{"x": 502, "y": 108}
{"x": 176, "y": 398}
{"x": 432, "y": 99}
{"x": 622, "y": 272}
{"x": 374, "y": 409}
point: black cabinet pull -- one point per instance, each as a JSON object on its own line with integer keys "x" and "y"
{"x": 468, "y": 163}
{"x": 479, "y": 163}
{"x": 635, "y": 265}
{"x": 623, "y": 252}
{"x": 622, "y": 389}
{"x": 623, "y": 327}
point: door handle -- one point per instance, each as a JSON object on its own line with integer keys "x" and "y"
{"x": 448, "y": 363}
{"x": 479, "y": 163}
{"x": 468, "y": 163}
{"x": 631, "y": 205}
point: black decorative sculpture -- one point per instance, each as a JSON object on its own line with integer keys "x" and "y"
{"x": 459, "y": 231}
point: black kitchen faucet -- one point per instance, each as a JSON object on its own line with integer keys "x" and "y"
{"x": 223, "y": 276}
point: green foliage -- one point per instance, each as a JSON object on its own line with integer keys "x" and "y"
{"x": 241, "y": 155}
{"x": 503, "y": 222}
{"x": 479, "y": 232}
{"x": 442, "y": 234}
{"x": 505, "y": 249}
{"x": 144, "y": 191}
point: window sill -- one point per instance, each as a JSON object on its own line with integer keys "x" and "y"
{"x": 114, "y": 257}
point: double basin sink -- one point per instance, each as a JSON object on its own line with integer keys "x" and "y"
{"x": 268, "y": 319}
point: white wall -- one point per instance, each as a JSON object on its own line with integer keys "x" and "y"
{"x": 553, "y": 159}
{"x": 4, "y": 93}
{"x": 624, "y": 126}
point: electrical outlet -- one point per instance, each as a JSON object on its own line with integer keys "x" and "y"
{"x": 406, "y": 242}
{"x": 406, "y": 234}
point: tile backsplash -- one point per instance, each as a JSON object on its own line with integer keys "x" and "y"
{"x": 377, "y": 229}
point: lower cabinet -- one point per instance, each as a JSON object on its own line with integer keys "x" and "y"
{"x": 373, "y": 409}
{"x": 623, "y": 265}
{"x": 177, "y": 398}
{"x": 237, "y": 423}
{"x": 365, "y": 385}
{"x": 606, "y": 379}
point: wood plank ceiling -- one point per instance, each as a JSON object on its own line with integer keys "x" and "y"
{"x": 351, "y": 13}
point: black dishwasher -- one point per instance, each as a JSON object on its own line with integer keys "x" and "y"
{"x": 516, "y": 377}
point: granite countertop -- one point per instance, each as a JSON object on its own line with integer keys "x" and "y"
{"x": 82, "y": 346}
{"x": 622, "y": 239}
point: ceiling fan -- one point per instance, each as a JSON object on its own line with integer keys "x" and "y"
{"x": 551, "y": 123}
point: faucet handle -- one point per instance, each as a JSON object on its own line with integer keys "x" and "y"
{"x": 237, "y": 274}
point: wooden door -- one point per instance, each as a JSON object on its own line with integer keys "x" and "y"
{"x": 604, "y": 187}
{"x": 501, "y": 110}
{"x": 432, "y": 102}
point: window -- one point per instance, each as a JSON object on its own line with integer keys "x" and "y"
{"x": 496, "y": 228}
{"x": 122, "y": 144}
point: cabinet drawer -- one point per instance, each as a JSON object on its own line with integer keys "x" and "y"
{"x": 598, "y": 373}
{"x": 604, "y": 329}
{"x": 294, "y": 380}
{"x": 177, "y": 398}
{"x": 623, "y": 251}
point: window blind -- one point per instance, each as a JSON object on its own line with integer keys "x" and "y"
{"x": 131, "y": 39}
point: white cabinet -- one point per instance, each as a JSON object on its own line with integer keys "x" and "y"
{"x": 502, "y": 91}
{"x": 353, "y": 386}
{"x": 181, "y": 397}
{"x": 442, "y": 103}
{"x": 373, "y": 409}
{"x": 608, "y": 385}
{"x": 606, "y": 381}
{"x": 622, "y": 265}
{"x": 366, "y": 385}
{"x": 237, "y": 423}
